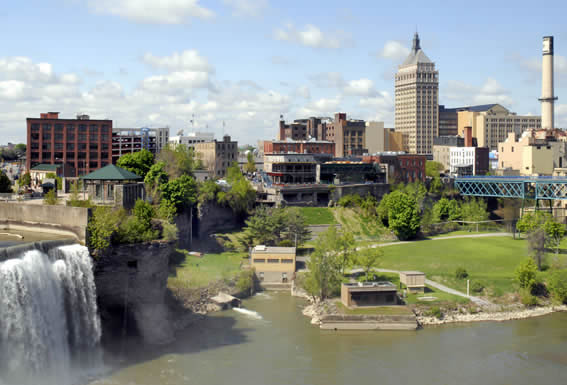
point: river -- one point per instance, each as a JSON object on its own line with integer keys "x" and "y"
{"x": 275, "y": 344}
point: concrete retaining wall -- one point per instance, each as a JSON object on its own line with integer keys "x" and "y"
{"x": 368, "y": 322}
{"x": 55, "y": 219}
{"x": 44, "y": 246}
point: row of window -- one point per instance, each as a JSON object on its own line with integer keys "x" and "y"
{"x": 273, "y": 260}
{"x": 104, "y": 128}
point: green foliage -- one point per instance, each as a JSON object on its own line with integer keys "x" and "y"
{"x": 368, "y": 259}
{"x": 5, "y": 183}
{"x": 350, "y": 200}
{"x": 181, "y": 192}
{"x": 554, "y": 232}
{"x": 241, "y": 196}
{"x": 25, "y": 180}
{"x": 415, "y": 189}
{"x": 557, "y": 286}
{"x": 434, "y": 311}
{"x": 526, "y": 273}
{"x": 250, "y": 166}
{"x": 169, "y": 231}
{"x": 461, "y": 273}
{"x": 536, "y": 245}
{"x": 286, "y": 243}
{"x": 137, "y": 162}
{"x": 531, "y": 221}
{"x": 474, "y": 210}
{"x": 436, "y": 186}
{"x": 323, "y": 278}
{"x": 271, "y": 226}
{"x": 543, "y": 231}
{"x": 477, "y": 287}
{"x": 433, "y": 169}
{"x": 245, "y": 281}
{"x": 403, "y": 214}
{"x": 208, "y": 191}
{"x": 179, "y": 160}
{"x": 527, "y": 298}
{"x": 20, "y": 148}
{"x": 50, "y": 198}
{"x": 446, "y": 210}
{"x": 155, "y": 179}
{"x": 102, "y": 226}
{"x": 135, "y": 229}
{"x": 144, "y": 212}
{"x": 75, "y": 198}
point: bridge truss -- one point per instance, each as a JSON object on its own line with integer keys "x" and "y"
{"x": 537, "y": 188}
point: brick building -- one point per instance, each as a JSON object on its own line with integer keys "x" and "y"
{"x": 349, "y": 135}
{"x": 402, "y": 168}
{"x": 299, "y": 147}
{"x": 81, "y": 145}
{"x": 218, "y": 156}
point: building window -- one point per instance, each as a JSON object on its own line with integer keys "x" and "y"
{"x": 287, "y": 260}
{"x": 273, "y": 260}
{"x": 259, "y": 260}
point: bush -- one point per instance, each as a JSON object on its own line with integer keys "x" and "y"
{"x": 527, "y": 299}
{"x": 50, "y": 198}
{"x": 134, "y": 230}
{"x": 526, "y": 274}
{"x": 245, "y": 281}
{"x": 286, "y": 243}
{"x": 477, "y": 287}
{"x": 169, "y": 231}
{"x": 351, "y": 200}
{"x": 435, "y": 311}
{"x": 558, "y": 286}
{"x": 461, "y": 273}
{"x": 102, "y": 226}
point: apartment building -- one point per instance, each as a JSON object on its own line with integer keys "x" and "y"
{"x": 448, "y": 121}
{"x": 129, "y": 140}
{"x": 81, "y": 145}
{"x": 417, "y": 101}
{"x": 217, "y": 156}
{"x": 349, "y": 135}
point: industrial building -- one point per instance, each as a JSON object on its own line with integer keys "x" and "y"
{"x": 273, "y": 264}
{"x": 361, "y": 294}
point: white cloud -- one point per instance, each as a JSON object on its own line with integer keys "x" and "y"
{"x": 323, "y": 106}
{"x": 251, "y": 8}
{"x": 328, "y": 80}
{"x": 360, "y": 87}
{"x": 188, "y": 60}
{"x": 394, "y": 50}
{"x": 378, "y": 108}
{"x": 152, "y": 11}
{"x": 491, "y": 91}
{"x": 302, "y": 92}
{"x": 357, "y": 87}
{"x": 312, "y": 36}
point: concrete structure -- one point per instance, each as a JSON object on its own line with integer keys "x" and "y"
{"x": 368, "y": 294}
{"x": 130, "y": 140}
{"x": 218, "y": 156}
{"x": 448, "y": 121}
{"x": 475, "y": 158}
{"x": 81, "y": 144}
{"x": 346, "y": 172}
{"x": 401, "y": 167}
{"x": 417, "y": 101}
{"x": 547, "y": 99}
{"x": 273, "y": 264}
{"x": 414, "y": 281}
{"x": 310, "y": 146}
{"x": 491, "y": 123}
{"x": 115, "y": 186}
{"x": 442, "y": 146}
{"x": 192, "y": 138}
{"x": 290, "y": 168}
{"x": 530, "y": 155}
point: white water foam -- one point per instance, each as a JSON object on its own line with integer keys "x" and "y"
{"x": 49, "y": 323}
{"x": 249, "y": 313}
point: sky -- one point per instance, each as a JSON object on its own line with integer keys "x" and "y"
{"x": 155, "y": 63}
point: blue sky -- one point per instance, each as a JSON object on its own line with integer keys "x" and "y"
{"x": 245, "y": 62}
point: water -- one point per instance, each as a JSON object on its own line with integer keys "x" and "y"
{"x": 231, "y": 347}
{"x": 49, "y": 325}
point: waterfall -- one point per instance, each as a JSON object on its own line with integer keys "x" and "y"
{"x": 49, "y": 324}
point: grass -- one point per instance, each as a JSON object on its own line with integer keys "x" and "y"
{"x": 442, "y": 298}
{"x": 375, "y": 310}
{"x": 318, "y": 215}
{"x": 364, "y": 229}
{"x": 193, "y": 272}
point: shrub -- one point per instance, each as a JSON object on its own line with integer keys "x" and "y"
{"x": 50, "y": 198}
{"x": 527, "y": 299}
{"x": 435, "y": 311}
{"x": 134, "y": 230}
{"x": 245, "y": 281}
{"x": 351, "y": 200}
{"x": 461, "y": 273}
{"x": 558, "y": 286}
{"x": 169, "y": 231}
{"x": 102, "y": 226}
{"x": 477, "y": 287}
{"x": 526, "y": 274}
{"x": 286, "y": 243}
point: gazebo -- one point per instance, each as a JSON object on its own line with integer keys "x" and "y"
{"x": 114, "y": 186}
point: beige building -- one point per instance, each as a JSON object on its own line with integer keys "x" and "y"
{"x": 217, "y": 156}
{"x": 442, "y": 149}
{"x": 273, "y": 264}
{"x": 379, "y": 139}
{"x": 491, "y": 123}
{"x": 529, "y": 155}
{"x": 417, "y": 101}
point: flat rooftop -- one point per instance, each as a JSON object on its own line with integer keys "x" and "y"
{"x": 370, "y": 286}
{"x": 261, "y": 249}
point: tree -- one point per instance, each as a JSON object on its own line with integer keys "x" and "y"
{"x": 25, "y": 180}
{"x": 526, "y": 274}
{"x": 137, "y": 162}
{"x": 446, "y": 210}
{"x": 50, "y": 198}
{"x": 436, "y": 186}
{"x": 181, "y": 192}
{"x": 555, "y": 232}
{"x": 433, "y": 169}
{"x": 5, "y": 183}
{"x": 536, "y": 245}
{"x": 297, "y": 230}
{"x": 155, "y": 179}
{"x": 323, "y": 278}
{"x": 474, "y": 210}
{"x": 558, "y": 285}
{"x": 369, "y": 259}
{"x": 250, "y": 166}
{"x": 345, "y": 247}
{"x": 102, "y": 226}
{"x": 403, "y": 214}
{"x": 208, "y": 191}
{"x": 241, "y": 196}
{"x": 179, "y": 160}
{"x": 58, "y": 179}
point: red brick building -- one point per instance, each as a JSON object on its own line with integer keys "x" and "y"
{"x": 402, "y": 168}
{"x": 299, "y": 147}
{"x": 81, "y": 145}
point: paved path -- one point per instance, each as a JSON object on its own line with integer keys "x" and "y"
{"x": 440, "y": 239}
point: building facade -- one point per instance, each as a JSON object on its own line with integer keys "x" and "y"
{"x": 290, "y": 168}
{"x": 442, "y": 147}
{"x": 192, "y": 138}
{"x": 491, "y": 123}
{"x": 401, "y": 168}
{"x": 473, "y": 158}
{"x": 129, "y": 140}
{"x": 448, "y": 121}
{"x": 349, "y": 135}
{"x": 273, "y": 264}
{"x": 299, "y": 147}
{"x": 81, "y": 145}
{"x": 417, "y": 101}
{"x": 217, "y": 156}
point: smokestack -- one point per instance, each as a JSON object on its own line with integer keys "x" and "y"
{"x": 547, "y": 98}
{"x": 468, "y": 136}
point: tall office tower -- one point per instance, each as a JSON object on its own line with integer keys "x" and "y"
{"x": 417, "y": 101}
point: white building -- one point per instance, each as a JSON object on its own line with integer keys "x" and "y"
{"x": 192, "y": 138}
{"x": 474, "y": 158}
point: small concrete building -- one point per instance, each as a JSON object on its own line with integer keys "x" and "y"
{"x": 113, "y": 185}
{"x": 414, "y": 281}
{"x": 369, "y": 294}
{"x": 273, "y": 264}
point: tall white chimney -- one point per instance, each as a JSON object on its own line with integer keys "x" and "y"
{"x": 547, "y": 98}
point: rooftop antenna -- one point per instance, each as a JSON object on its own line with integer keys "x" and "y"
{"x": 223, "y": 124}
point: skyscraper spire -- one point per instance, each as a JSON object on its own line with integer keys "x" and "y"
{"x": 415, "y": 47}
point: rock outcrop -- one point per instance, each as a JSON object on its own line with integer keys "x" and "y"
{"x": 131, "y": 282}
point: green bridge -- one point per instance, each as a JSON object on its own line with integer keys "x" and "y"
{"x": 523, "y": 187}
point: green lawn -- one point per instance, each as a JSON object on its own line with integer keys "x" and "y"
{"x": 376, "y": 310}
{"x": 318, "y": 215}
{"x": 490, "y": 260}
{"x": 193, "y": 272}
{"x": 441, "y": 298}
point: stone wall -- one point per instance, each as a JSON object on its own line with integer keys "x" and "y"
{"x": 215, "y": 219}
{"x": 378, "y": 190}
{"x": 131, "y": 281}
{"x": 184, "y": 223}
{"x": 56, "y": 219}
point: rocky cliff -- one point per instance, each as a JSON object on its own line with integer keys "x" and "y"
{"x": 213, "y": 219}
{"x": 131, "y": 283}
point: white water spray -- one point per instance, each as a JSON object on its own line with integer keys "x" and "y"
{"x": 249, "y": 313}
{"x": 49, "y": 324}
